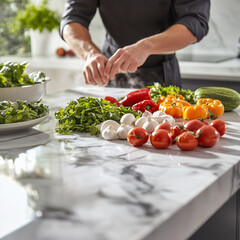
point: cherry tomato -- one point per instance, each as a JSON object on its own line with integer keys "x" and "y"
{"x": 219, "y": 125}
{"x": 187, "y": 141}
{"x": 176, "y": 131}
{"x": 161, "y": 139}
{"x": 207, "y": 135}
{"x": 193, "y": 125}
{"x": 205, "y": 121}
{"x": 165, "y": 126}
{"x": 137, "y": 136}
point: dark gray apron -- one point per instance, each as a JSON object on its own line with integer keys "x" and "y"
{"x": 166, "y": 70}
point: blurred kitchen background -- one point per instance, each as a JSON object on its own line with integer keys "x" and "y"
{"x": 212, "y": 62}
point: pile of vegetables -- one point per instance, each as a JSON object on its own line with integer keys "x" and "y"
{"x": 151, "y": 113}
{"x": 86, "y": 113}
{"x": 21, "y": 111}
{"x": 162, "y": 130}
{"x": 12, "y": 75}
{"x": 158, "y": 90}
{"x": 229, "y": 97}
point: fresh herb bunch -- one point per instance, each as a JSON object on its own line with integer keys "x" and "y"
{"x": 86, "y": 113}
{"x": 158, "y": 90}
{"x": 12, "y": 75}
{"x": 37, "y": 18}
{"x": 21, "y": 111}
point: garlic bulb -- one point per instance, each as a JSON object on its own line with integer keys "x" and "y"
{"x": 147, "y": 114}
{"x": 165, "y": 118}
{"x": 169, "y": 119}
{"x": 150, "y": 125}
{"x": 128, "y": 119}
{"x": 158, "y": 114}
{"x": 123, "y": 130}
{"x": 140, "y": 121}
{"x": 115, "y": 125}
{"x": 109, "y": 133}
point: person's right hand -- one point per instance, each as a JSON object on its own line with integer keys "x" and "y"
{"x": 93, "y": 71}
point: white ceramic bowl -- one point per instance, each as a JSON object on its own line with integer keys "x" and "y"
{"x": 30, "y": 93}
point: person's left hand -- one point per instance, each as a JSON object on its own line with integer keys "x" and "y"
{"x": 126, "y": 59}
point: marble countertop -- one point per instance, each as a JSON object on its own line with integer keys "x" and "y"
{"x": 83, "y": 187}
{"x": 222, "y": 71}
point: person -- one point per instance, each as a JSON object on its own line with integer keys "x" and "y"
{"x": 141, "y": 38}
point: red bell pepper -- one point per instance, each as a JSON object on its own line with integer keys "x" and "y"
{"x": 112, "y": 100}
{"x": 136, "y": 96}
{"x": 148, "y": 105}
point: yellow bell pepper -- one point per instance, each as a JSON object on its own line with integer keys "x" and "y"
{"x": 195, "y": 112}
{"x": 215, "y": 106}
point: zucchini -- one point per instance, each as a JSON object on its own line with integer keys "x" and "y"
{"x": 229, "y": 97}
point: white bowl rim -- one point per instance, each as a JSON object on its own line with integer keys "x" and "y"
{"x": 24, "y": 86}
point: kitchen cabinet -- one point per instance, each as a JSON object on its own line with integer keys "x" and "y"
{"x": 83, "y": 187}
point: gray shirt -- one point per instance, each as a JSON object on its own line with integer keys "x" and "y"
{"x": 127, "y": 21}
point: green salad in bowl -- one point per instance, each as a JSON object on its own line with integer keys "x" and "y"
{"x": 15, "y": 84}
{"x": 21, "y": 111}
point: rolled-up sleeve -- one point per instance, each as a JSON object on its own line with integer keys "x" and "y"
{"x": 78, "y": 11}
{"x": 194, "y": 14}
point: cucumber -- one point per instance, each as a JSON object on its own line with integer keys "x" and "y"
{"x": 229, "y": 97}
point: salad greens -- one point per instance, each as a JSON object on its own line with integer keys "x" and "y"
{"x": 12, "y": 75}
{"x": 86, "y": 113}
{"x": 158, "y": 90}
{"x": 21, "y": 111}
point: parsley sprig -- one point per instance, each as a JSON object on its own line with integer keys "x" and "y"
{"x": 86, "y": 113}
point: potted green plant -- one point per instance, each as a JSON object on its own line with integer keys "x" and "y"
{"x": 41, "y": 23}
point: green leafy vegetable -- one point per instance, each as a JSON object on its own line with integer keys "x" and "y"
{"x": 12, "y": 75}
{"x": 21, "y": 111}
{"x": 85, "y": 113}
{"x": 158, "y": 90}
{"x": 36, "y": 17}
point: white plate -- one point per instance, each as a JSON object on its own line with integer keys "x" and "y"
{"x": 20, "y": 126}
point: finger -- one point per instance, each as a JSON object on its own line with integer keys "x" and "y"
{"x": 89, "y": 76}
{"x": 125, "y": 66}
{"x": 95, "y": 74}
{"x": 132, "y": 68}
{"x": 101, "y": 68}
{"x": 116, "y": 68}
{"x": 108, "y": 68}
{"x": 85, "y": 78}
{"x": 111, "y": 61}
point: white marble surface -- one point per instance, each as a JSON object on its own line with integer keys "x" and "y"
{"x": 83, "y": 187}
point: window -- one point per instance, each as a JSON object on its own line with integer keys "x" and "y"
{"x": 12, "y": 43}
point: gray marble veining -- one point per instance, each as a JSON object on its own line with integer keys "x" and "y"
{"x": 83, "y": 187}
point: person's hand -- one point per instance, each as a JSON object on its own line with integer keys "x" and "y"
{"x": 93, "y": 71}
{"x": 126, "y": 59}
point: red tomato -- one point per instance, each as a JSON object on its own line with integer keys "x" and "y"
{"x": 137, "y": 136}
{"x": 161, "y": 139}
{"x": 207, "y": 135}
{"x": 206, "y": 122}
{"x": 219, "y": 125}
{"x": 193, "y": 125}
{"x": 176, "y": 131}
{"x": 187, "y": 141}
{"x": 165, "y": 126}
